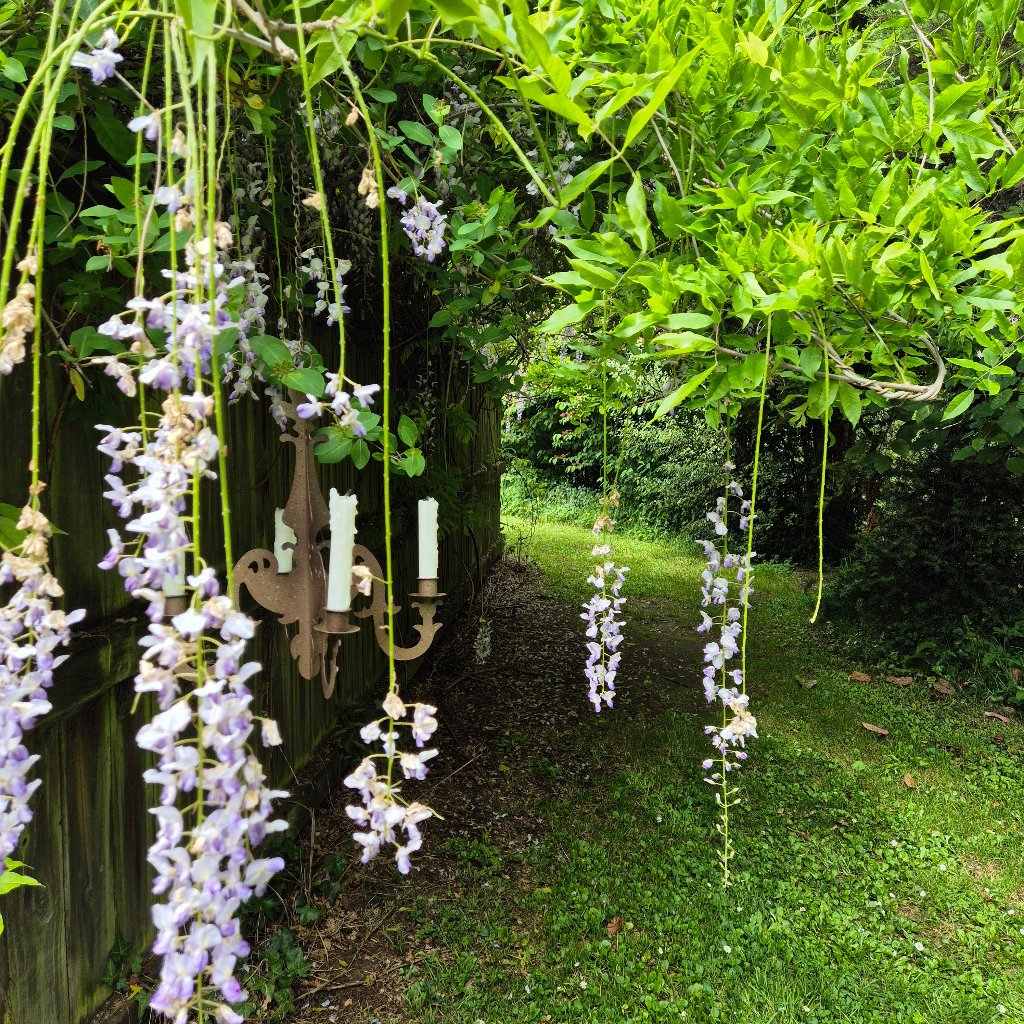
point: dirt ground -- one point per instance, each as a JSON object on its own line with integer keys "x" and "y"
{"x": 502, "y": 753}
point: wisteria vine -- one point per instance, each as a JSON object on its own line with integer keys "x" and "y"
{"x": 383, "y": 811}
{"x": 603, "y": 616}
{"x": 31, "y": 632}
{"x": 215, "y": 806}
{"x": 727, "y": 583}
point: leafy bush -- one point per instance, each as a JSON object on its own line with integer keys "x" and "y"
{"x": 943, "y": 542}
{"x": 670, "y": 471}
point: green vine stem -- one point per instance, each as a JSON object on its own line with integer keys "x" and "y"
{"x": 318, "y": 181}
{"x": 389, "y": 582}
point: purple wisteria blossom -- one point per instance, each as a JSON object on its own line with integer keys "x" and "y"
{"x": 339, "y": 403}
{"x": 148, "y": 124}
{"x": 724, "y": 681}
{"x": 101, "y": 62}
{"x": 602, "y": 614}
{"x": 425, "y": 225}
{"x": 326, "y": 299}
{"x": 383, "y": 812}
{"x": 214, "y": 803}
{"x": 31, "y": 631}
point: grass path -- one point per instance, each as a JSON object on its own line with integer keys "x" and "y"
{"x": 876, "y": 880}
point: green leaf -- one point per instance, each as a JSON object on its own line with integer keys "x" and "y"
{"x": 958, "y": 405}
{"x": 636, "y": 207}
{"x": 417, "y": 132}
{"x": 583, "y": 181}
{"x": 408, "y": 431}
{"x": 395, "y": 10}
{"x": 755, "y": 48}
{"x": 810, "y": 361}
{"x": 10, "y": 536}
{"x": 682, "y": 392}
{"x": 306, "y": 380}
{"x": 97, "y": 263}
{"x": 430, "y": 108}
{"x": 382, "y": 95}
{"x": 111, "y": 132}
{"x": 14, "y": 70}
{"x": 360, "y": 454}
{"x": 124, "y": 190}
{"x": 849, "y": 402}
{"x": 272, "y": 351}
{"x": 87, "y": 340}
{"x": 571, "y": 314}
{"x": 450, "y": 136}
{"x": 15, "y": 880}
{"x": 639, "y": 120}
{"x": 958, "y": 100}
{"x": 414, "y": 463}
{"x": 336, "y": 447}
{"x": 977, "y": 139}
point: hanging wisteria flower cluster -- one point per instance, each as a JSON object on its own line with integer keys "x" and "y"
{"x": 339, "y": 404}
{"x": 383, "y": 812}
{"x": 424, "y": 224}
{"x": 327, "y": 299}
{"x": 603, "y": 616}
{"x": 31, "y": 631}
{"x": 724, "y": 680}
{"x": 215, "y": 806}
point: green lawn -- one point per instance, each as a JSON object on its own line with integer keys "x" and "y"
{"x": 875, "y": 880}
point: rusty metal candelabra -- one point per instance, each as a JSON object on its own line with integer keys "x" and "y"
{"x": 299, "y": 595}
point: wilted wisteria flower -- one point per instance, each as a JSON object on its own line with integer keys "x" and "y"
{"x": 19, "y": 316}
{"x": 31, "y": 630}
{"x": 724, "y": 681}
{"x": 383, "y": 811}
{"x": 602, "y": 613}
{"x": 215, "y": 805}
{"x": 425, "y": 225}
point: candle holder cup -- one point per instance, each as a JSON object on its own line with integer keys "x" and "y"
{"x": 299, "y": 597}
{"x": 336, "y": 624}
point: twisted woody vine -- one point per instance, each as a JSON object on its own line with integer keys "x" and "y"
{"x": 194, "y": 192}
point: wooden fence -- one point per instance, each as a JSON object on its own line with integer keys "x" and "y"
{"x": 87, "y": 843}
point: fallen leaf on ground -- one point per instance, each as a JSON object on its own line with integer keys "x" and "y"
{"x": 614, "y": 926}
{"x": 908, "y": 781}
{"x": 876, "y": 729}
{"x": 947, "y": 689}
{"x": 1016, "y": 673}
{"x": 900, "y": 680}
{"x": 998, "y": 717}
{"x": 860, "y": 677}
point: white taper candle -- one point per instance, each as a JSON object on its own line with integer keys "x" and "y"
{"x": 343, "y": 539}
{"x": 283, "y": 534}
{"x": 174, "y": 586}
{"x": 428, "y": 538}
